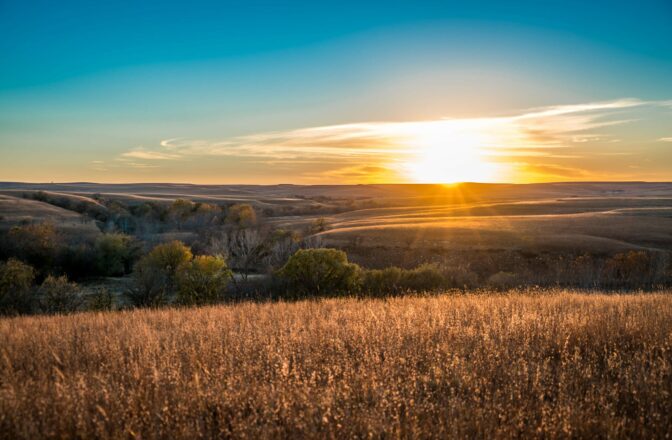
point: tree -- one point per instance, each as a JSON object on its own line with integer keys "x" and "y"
{"x": 318, "y": 225}
{"x": 281, "y": 245}
{"x": 155, "y": 273}
{"x": 320, "y": 271}
{"x": 247, "y": 248}
{"x": 203, "y": 280}
{"x": 241, "y": 215}
{"x": 37, "y": 244}
{"x": 16, "y": 282}
{"x": 180, "y": 211}
{"x": 58, "y": 295}
{"x": 115, "y": 254}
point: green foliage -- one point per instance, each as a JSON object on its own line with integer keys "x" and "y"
{"x": 382, "y": 282}
{"x": 202, "y": 280}
{"x": 241, "y": 215}
{"x": 393, "y": 280}
{"x": 16, "y": 282}
{"x": 320, "y": 272}
{"x": 115, "y": 254}
{"x": 167, "y": 256}
{"x": 155, "y": 274}
{"x": 58, "y": 295}
{"x": 424, "y": 278}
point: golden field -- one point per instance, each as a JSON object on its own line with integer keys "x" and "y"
{"x": 546, "y": 365}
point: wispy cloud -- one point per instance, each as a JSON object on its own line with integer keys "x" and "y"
{"x": 543, "y": 135}
{"x": 150, "y": 155}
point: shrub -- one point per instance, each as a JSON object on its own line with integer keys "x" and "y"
{"x": 460, "y": 277}
{"x": 155, "y": 273}
{"x": 502, "y": 281}
{"x": 320, "y": 272}
{"x": 382, "y": 281}
{"x": 202, "y": 281}
{"x": 16, "y": 282}
{"x": 424, "y": 278}
{"x": 58, "y": 295}
{"x": 150, "y": 287}
{"x": 631, "y": 268}
{"x": 101, "y": 300}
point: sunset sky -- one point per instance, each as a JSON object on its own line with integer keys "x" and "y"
{"x": 335, "y": 92}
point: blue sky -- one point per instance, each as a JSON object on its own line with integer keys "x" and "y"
{"x": 83, "y": 84}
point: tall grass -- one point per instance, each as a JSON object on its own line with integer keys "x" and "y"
{"x": 477, "y": 366}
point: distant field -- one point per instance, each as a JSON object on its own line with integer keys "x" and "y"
{"x": 554, "y": 217}
{"x": 603, "y": 225}
{"x": 15, "y": 210}
{"x": 543, "y": 365}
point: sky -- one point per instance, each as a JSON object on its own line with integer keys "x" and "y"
{"x": 335, "y": 91}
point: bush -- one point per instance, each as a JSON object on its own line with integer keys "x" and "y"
{"x": 151, "y": 287}
{"x": 202, "y": 281}
{"x": 424, "y": 278}
{"x": 101, "y": 300}
{"x": 460, "y": 277}
{"x": 320, "y": 272}
{"x": 58, "y": 295}
{"x": 381, "y": 282}
{"x": 16, "y": 282}
{"x": 155, "y": 274}
{"x": 627, "y": 269}
{"x": 503, "y": 281}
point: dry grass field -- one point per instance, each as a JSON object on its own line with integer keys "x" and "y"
{"x": 544, "y": 365}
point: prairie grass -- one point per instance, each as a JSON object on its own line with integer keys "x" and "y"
{"x": 544, "y": 365}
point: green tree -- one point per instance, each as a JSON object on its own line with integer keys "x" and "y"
{"x": 16, "y": 282}
{"x": 319, "y": 272}
{"x": 154, "y": 274}
{"x": 115, "y": 254}
{"x": 203, "y": 280}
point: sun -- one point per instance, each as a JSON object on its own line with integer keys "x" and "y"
{"x": 446, "y": 153}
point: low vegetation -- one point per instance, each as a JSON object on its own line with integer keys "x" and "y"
{"x": 535, "y": 365}
{"x": 184, "y": 252}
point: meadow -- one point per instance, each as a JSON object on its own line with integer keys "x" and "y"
{"x": 551, "y": 364}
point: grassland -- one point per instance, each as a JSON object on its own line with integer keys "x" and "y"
{"x": 561, "y": 217}
{"x": 545, "y": 365}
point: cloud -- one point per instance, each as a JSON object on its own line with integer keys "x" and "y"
{"x": 358, "y": 151}
{"x": 665, "y": 139}
{"x": 150, "y": 155}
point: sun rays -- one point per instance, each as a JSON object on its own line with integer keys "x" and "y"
{"x": 557, "y": 143}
